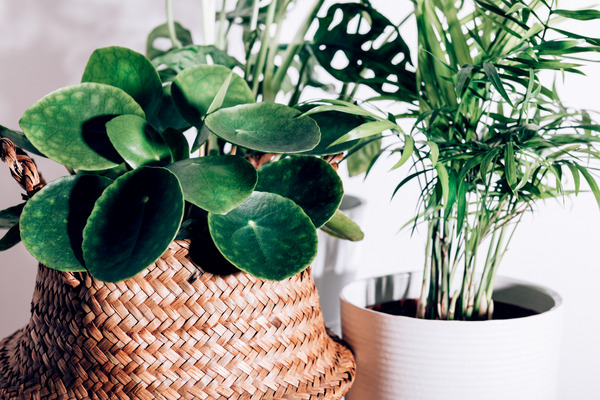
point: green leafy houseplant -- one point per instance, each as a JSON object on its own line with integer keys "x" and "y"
{"x": 249, "y": 192}
{"x": 491, "y": 137}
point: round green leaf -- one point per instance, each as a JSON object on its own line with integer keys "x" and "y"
{"x": 130, "y": 71}
{"x": 168, "y": 116}
{"x": 68, "y": 125}
{"x": 266, "y": 127}
{"x": 53, "y": 220}
{"x": 333, "y": 125}
{"x": 132, "y": 223}
{"x": 195, "y": 88}
{"x": 267, "y": 236}
{"x": 137, "y": 141}
{"x": 217, "y": 184}
{"x": 309, "y": 181}
{"x": 178, "y": 144}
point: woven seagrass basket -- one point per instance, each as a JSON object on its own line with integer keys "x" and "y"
{"x": 174, "y": 332}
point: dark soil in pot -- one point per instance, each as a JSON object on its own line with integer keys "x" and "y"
{"x": 408, "y": 308}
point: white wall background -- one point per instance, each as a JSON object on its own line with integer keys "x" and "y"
{"x": 45, "y": 45}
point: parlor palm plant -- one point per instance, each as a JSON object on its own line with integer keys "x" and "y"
{"x": 491, "y": 136}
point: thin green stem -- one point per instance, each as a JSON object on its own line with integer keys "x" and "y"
{"x": 294, "y": 47}
{"x": 208, "y": 21}
{"x": 269, "y": 92}
{"x": 298, "y": 89}
{"x": 264, "y": 46}
{"x": 171, "y": 25}
{"x": 222, "y": 30}
{"x": 422, "y": 306}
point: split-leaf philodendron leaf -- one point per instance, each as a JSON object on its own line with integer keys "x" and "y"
{"x": 194, "y": 90}
{"x": 128, "y": 70}
{"x": 162, "y": 32}
{"x": 309, "y": 181}
{"x": 132, "y": 223}
{"x": 137, "y": 141}
{"x": 217, "y": 184}
{"x": 376, "y": 57}
{"x": 68, "y": 125}
{"x": 53, "y": 220}
{"x": 267, "y": 127}
{"x": 267, "y": 236}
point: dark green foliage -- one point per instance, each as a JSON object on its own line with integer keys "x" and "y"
{"x": 53, "y": 220}
{"x": 245, "y": 236}
{"x": 388, "y": 63}
{"x": 266, "y": 127}
{"x": 132, "y": 223}
{"x": 309, "y": 181}
{"x": 134, "y": 186}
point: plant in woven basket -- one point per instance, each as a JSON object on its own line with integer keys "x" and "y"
{"x": 257, "y": 181}
{"x": 491, "y": 136}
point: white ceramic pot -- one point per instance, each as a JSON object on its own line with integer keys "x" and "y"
{"x": 402, "y": 358}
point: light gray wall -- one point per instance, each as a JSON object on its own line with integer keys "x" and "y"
{"x": 44, "y": 45}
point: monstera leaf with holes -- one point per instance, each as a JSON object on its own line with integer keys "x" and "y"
{"x": 371, "y": 47}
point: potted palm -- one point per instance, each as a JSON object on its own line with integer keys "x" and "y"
{"x": 490, "y": 140}
{"x": 171, "y": 267}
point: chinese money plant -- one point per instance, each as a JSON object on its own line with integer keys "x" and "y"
{"x": 250, "y": 187}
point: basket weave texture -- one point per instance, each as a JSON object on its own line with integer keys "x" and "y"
{"x": 174, "y": 332}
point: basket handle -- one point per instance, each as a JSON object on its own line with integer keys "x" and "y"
{"x": 24, "y": 171}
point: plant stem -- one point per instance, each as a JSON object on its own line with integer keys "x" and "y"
{"x": 208, "y": 21}
{"x": 269, "y": 92}
{"x": 295, "y": 46}
{"x": 298, "y": 89}
{"x": 485, "y": 278}
{"x": 254, "y": 18}
{"x": 422, "y": 306}
{"x": 171, "y": 25}
{"x": 264, "y": 45}
{"x": 222, "y": 32}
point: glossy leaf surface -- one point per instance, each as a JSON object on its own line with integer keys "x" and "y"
{"x": 194, "y": 90}
{"x": 266, "y": 127}
{"x": 333, "y": 125}
{"x": 19, "y": 139}
{"x": 267, "y": 236}
{"x": 178, "y": 144}
{"x": 168, "y": 116}
{"x": 356, "y": 47}
{"x": 132, "y": 223}
{"x": 68, "y": 125}
{"x": 53, "y": 220}
{"x": 137, "y": 141}
{"x": 10, "y": 216}
{"x": 128, "y": 70}
{"x": 309, "y": 181}
{"x": 342, "y": 227}
{"x": 10, "y": 239}
{"x": 176, "y": 60}
{"x": 216, "y": 183}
